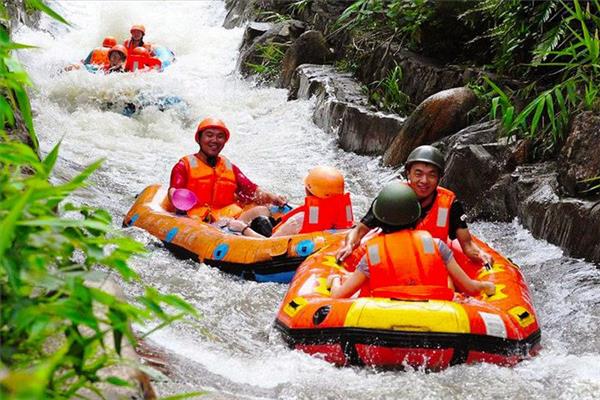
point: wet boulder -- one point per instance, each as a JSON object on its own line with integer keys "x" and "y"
{"x": 475, "y": 161}
{"x": 579, "y": 159}
{"x": 341, "y": 108}
{"x": 438, "y": 116}
{"x": 309, "y": 48}
{"x": 265, "y": 53}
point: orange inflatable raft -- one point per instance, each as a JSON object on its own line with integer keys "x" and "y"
{"x": 263, "y": 260}
{"x": 396, "y": 333}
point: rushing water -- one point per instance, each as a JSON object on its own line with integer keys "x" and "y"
{"x": 233, "y": 351}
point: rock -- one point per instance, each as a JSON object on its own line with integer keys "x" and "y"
{"x": 579, "y": 158}
{"x": 471, "y": 171}
{"x": 280, "y": 35}
{"x": 309, "y": 48}
{"x": 438, "y": 116}
{"x": 341, "y": 108}
{"x": 573, "y": 224}
{"x": 239, "y": 11}
{"x": 253, "y": 31}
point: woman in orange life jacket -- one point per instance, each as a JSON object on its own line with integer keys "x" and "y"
{"x": 138, "y": 32}
{"x": 404, "y": 262}
{"x": 219, "y": 185}
{"x": 99, "y": 56}
{"x": 326, "y": 205}
{"x": 442, "y": 214}
{"x": 116, "y": 58}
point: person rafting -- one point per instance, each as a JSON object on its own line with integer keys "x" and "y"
{"x": 99, "y": 56}
{"x": 405, "y": 262}
{"x": 442, "y": 214}
{"x": 138, "y": 32}
{"x": 217, "y": 186}
{"x": 117, "y": 56}
{"x": 326, "y": 205}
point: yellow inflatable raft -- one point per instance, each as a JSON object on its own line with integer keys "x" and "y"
{"x": 396, "y": 333}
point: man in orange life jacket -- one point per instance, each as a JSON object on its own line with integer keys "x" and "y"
{"x": 216, "y": 182}
{"x": 326, "y": 205}
{"x": 99, "y": 56}
{"x": 137, "y": 38}
{"x": 405, "y": 263}
{"x": 442, "y": 214}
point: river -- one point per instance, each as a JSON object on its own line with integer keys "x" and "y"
{"x": 233, "y": 352}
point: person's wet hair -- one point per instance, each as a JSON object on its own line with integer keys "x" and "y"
{"x": 262, "y": 225}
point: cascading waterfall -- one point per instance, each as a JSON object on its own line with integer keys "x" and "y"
{"x": 233, "y": 350}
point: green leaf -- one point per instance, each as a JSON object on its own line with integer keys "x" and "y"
{"x": 541, "y": 102}
{"x": 50, "y": 159}
{"x": 10, "y": 222}
{"x": 39, "y": 5}
{"x": 113, "y": 380}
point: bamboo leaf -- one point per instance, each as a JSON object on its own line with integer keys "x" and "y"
{"x": 39, "y": 5}
{"x": 541, "y": 102}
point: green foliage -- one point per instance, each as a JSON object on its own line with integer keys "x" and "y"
{"x": 400, "y": 18}
{"x": 346, "y": 65}
{"x": 299, "y": 6}
{"x": 271, "y": 56}
{"x": 387, "y": 93}
{"x": 575, "y": 62}
{"x": 592, "y": 183}
{"x": 52, "y": 335}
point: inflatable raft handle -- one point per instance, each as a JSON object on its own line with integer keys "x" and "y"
{"x": 488, "y": 266}
{"x": 184, "y": 199}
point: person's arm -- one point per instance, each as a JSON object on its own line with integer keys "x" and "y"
{"x": 178, "y": 178}
{"x": 471, "y": 285}
{"x": 261, "y": 196}
{"x": 351, "y": 241}
{"x": 239, "y": 226}
{"x": 350, "y": 285}
{"x": 470, "y": 249}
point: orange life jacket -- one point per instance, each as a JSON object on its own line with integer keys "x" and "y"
{"x": 135, "y": 62}
{"x": 407, "y": 265}
{"x": 437, "y": 220}
{"x": 99, "y": 56}
{"x": 129, "y": 45}
{"x": 323, "y": 214}
{"x": 214, "y": 187}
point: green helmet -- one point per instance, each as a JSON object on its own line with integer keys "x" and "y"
{"x": 427, "y": 154}
{"x": 397, "y": 205}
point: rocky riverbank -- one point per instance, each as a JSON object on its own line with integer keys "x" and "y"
{"x": 496, "y": 178}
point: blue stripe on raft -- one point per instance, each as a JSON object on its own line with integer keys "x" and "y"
{"x": 171, "y": 234}
{"x": 133, "y": 219}
{"x": 280, "y": 277}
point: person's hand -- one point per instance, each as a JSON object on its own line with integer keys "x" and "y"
{"x": 278, "y": 199}
{"x": 332, "y": 278}
{"x": 344, "y": 252}
{"x": 488, "y": 288}
{"x": 486, "y": 258}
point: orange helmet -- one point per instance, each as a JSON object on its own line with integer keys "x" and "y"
{"x": 139, "y": 27}
{"x": 109, "y": 42}
{"x": 211, "y": 122}
{"x": 324, "y": 182}
{"x": 118, "y": 48}
{"x": 140, "y": 51}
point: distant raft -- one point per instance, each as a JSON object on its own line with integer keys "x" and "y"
{"x": 262, "y": 260}
{"x": 397, "y": 333}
